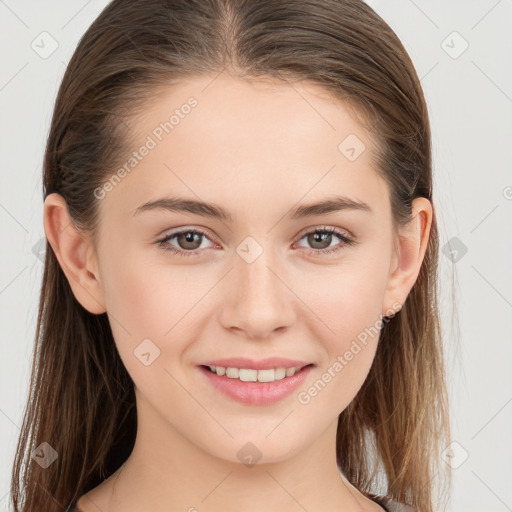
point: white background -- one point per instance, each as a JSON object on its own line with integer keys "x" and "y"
{"x": 470, "y": 103}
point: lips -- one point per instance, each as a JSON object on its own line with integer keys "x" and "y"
{"x": 256, "y": 393}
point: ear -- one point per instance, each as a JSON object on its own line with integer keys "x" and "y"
{"x": 75, "y": 253}
{"x": 410, "y": 248}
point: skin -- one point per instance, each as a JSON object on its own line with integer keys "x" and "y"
{"x": 258, "y": 149}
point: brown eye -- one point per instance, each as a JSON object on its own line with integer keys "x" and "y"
{"x": 189, "y": 242}
{"x": 320, "y": 241}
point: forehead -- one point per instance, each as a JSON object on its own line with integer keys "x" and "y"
{"x": 262, "y": 141}
{"x": 247, "y": 113}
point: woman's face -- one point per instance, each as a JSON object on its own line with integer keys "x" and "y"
{"x": 256, "y": 283}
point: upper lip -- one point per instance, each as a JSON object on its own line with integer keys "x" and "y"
{"x": 262, "y": 364}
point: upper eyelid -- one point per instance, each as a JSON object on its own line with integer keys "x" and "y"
{"x": 326, "y": 227}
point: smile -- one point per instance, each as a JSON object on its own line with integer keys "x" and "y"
{"x": 255, "y": 387}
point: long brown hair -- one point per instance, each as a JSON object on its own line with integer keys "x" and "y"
{"x": 81, "y": 398}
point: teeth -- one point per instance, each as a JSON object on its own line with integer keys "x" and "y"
{"x": 251, "y": 375}
{"x": 291, "y": 371}
{"x": 232, "y": 373}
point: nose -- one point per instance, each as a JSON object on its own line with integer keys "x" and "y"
{"x": 258, "y": 298}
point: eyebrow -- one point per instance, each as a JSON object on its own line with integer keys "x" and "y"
{"x": 176, "y": 204}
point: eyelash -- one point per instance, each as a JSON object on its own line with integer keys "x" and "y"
{"x": 347, "y": 241}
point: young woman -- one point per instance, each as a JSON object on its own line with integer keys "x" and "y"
{"x": 239, "y": 302}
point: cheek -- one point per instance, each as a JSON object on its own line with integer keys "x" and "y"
{"x": 145, "y": 295}
{"x": 144, "y": 301}
{"x": 137, "y": 297}
{"x": 152, "y": 309}
{"x": 347, "y": 307}
{"x": 346, "y": 299}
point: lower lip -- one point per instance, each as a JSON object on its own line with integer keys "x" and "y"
{"x": 257, "y": 393}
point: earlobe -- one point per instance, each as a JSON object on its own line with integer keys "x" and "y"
{"x": 75, "y": 254}
{"x": 411, "y": 248}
